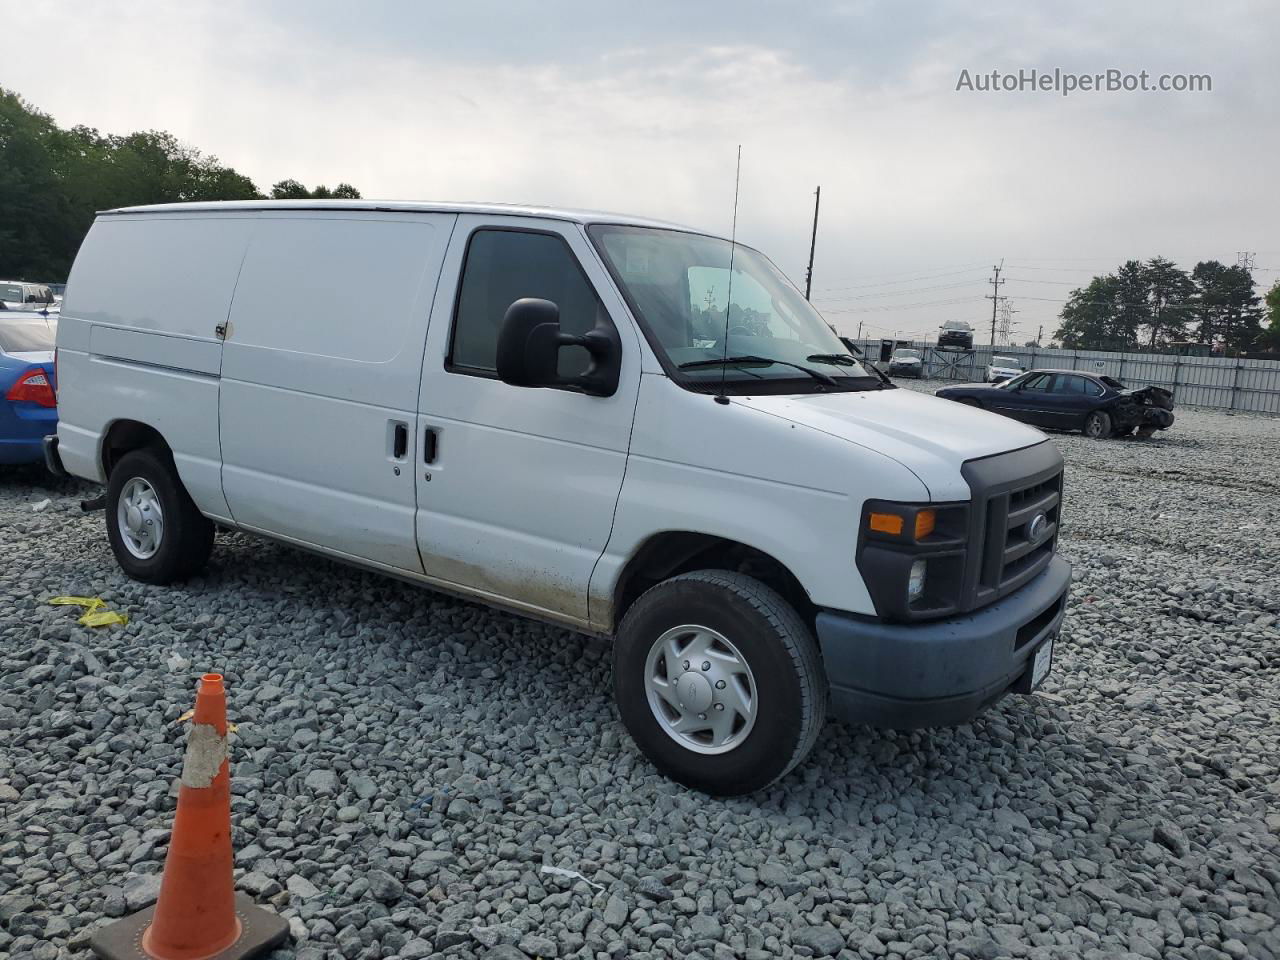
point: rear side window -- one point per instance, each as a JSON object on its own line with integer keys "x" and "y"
{"x": 1077, "y": 386}
{"x": 503, "y": 266}
{"x": 22, "y": 337}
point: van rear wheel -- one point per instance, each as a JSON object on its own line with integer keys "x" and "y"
{"x": 156, "y": 532}
{"x": 719, "y": 681}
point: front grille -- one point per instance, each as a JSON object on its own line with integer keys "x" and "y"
{"x": 1011, "y": 493}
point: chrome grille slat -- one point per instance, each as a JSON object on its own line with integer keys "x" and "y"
{"x": 1009, "y": 559}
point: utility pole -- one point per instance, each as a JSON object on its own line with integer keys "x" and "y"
{"x": 813, "y": 242}
{"x": 994, "y": 297}
{"x": 859, "y": 330}
{"x": 1039, "y": 334}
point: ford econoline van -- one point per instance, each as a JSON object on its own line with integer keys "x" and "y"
{"x": 625, "y": 427}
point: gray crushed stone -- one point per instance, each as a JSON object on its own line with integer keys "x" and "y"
{"x": 406, "y": 763}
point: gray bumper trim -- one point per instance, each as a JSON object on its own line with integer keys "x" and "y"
{"x": 51, "y": 458}
{"x": 941, "y": 672}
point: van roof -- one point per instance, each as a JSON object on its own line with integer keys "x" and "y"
{"x": 403, "y": 206}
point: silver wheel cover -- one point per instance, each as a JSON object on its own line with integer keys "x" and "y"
{"x": 139, "y": 518}
{"x": 700, "y": 689}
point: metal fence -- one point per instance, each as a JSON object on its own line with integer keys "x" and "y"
{"x": 1227, "y": 383}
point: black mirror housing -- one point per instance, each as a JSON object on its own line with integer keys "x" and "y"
{"x": 529, "y": 344}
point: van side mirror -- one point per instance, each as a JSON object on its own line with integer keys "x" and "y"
{"x": 529, "y": 345}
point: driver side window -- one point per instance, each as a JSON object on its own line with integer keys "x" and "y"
{"x": 503, "y": 266}
{"x": 1038, "y": 383}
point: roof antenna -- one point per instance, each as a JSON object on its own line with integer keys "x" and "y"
{"x": 728, "y": 302}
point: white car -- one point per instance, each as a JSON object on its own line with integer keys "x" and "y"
{"x": 1001, "y": 369}
{"x": 23, "y": 295}
{"x": 906, "y": 363}
{"x": 558, "y": 413}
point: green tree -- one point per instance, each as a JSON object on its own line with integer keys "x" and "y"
{"x": 1271, "y": 336}
{"x": 293, "y": 190}
{"x": 52, "y": 181}
{"x": 1226, "y": 307}
{"x": 1170, "y": 292}
{"x": 1088, "y": 318}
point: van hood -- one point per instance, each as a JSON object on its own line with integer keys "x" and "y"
{"x": 929, "y": 436}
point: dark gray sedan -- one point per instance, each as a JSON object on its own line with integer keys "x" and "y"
{"x": 1099, "y": 406}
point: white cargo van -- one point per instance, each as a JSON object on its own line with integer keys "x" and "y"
{"x": 586, "y": 418}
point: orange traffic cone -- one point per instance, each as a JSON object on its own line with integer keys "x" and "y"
{"x": 198, "y": 915}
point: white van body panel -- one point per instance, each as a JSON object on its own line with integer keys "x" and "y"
{"x": 136, "y": 340}
{"x": 929, "y": 436}
{"x": 320, "y": 366}
{"x": 701, "y": 467}
{"x": 519, "y": 501}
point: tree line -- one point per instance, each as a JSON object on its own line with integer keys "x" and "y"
{"x": 1153, "y": 304}
{"x": 53, "y": 181}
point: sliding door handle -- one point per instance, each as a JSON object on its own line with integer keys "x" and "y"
{"x": 430, "y": 444}
{"x": 400, "y": 443}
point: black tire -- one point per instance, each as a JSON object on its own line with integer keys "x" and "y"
{"x": 187, "y": 538}
{"x": 779, "y": 650}
{"x": 1097, "y": 425}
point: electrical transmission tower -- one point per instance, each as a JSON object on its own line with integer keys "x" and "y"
{"x": 1244, "y": 258}
{"x": 1004, "y": 329}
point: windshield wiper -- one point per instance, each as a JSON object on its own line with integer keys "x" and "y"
{"x": 844, "y": 360}
{"x": 721, "y": 361}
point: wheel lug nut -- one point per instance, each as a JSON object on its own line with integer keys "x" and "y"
{"x": 706, "y": 665}
{"x": 719, "y": 684}
{"x": 686, "y": 664}
{"x": 719, "y": 706}
{"x": 702, "y": 716}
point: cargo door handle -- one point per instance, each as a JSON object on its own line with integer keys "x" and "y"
{"x": 400, "y": 442}
{"x": 429, "y": 443}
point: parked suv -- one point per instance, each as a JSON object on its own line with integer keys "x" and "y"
{"x": 955, "y": 335}
{"x": 562, "y": 414}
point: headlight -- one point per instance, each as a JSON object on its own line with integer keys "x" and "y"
{"x": 912, "y": 557}
{"x": 915, "y": 581}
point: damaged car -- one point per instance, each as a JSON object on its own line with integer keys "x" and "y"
{"x": 1099, "y": 406}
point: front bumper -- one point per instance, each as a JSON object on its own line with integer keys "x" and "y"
{"x": 942, "y": 672}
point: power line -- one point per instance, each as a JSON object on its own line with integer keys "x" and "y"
{"x": 890, "y": 283}
{"x": 911, "y": 291}
{"x": 903, "y": 306}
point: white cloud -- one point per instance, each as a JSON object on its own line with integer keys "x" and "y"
{"x": 645, "y": 116}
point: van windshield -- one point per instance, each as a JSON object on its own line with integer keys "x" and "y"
{"x": 678, "y": 285}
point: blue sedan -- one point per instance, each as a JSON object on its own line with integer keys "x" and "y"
{"x": 28, "y": 408}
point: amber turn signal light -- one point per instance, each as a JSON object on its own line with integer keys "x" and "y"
{"x": 889, "y": 523}
{"x": 925, "y": 521}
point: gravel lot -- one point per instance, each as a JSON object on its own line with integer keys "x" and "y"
{"x": 406, "y": 764}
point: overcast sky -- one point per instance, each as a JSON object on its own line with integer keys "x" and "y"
{"x": 640, "y": 108}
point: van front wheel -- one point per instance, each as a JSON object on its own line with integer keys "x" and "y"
{"x": 156, "y": 532}
{"x": 719, "y": 681}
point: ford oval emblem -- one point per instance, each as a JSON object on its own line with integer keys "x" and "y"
{"x": 1036, "y": 528}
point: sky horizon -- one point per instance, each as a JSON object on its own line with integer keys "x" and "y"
{"x": 924, "y": 186}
